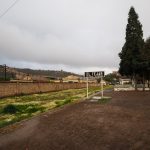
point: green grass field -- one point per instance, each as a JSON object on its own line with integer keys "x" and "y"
{"x": 14, "y": 109}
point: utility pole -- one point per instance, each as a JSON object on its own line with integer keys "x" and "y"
{"x": 5, "y": 71}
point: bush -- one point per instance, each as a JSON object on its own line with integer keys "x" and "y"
{"x": 10, "y": 109}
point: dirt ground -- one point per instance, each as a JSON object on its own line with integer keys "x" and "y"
{"x": 121, "y": 124}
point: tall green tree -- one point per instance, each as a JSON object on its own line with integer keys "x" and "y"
{"x": 130, "y": 64}
{"x": 146, "y": 61}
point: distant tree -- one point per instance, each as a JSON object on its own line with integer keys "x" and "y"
{"x": 130, "y": 64}
{"x": 111, "y": 78}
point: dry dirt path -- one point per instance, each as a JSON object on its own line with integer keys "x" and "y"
{"x": 121, "y": 124}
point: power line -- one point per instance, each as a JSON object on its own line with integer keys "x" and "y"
{"x": 6, "y": 11}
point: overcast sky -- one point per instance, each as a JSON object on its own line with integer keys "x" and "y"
{"x": 72, "y": 35}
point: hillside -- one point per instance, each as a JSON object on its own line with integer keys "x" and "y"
{"x": 49, "y": 73}
{"x": 31, "y": 74}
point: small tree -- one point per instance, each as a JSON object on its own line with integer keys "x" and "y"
{"x": 111, "y": 78}
{"x": 130, "y": 64}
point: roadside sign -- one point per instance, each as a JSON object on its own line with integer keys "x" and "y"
{"x": 94, "y": 74}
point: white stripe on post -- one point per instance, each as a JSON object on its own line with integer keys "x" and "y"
{"x": 87, "y": 87}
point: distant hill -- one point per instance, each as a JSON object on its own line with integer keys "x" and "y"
{"x": 31, "y": 74}
{"x": 48, "y": 73}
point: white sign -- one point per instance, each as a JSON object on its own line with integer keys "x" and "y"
{"x": 94, "y": 74}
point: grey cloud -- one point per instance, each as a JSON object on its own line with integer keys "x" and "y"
{"x": 72, "y": 33}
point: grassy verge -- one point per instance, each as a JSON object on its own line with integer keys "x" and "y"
{"x": 14, "y": 109}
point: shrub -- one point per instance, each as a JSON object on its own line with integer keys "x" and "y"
{"x": 10, "y": 109}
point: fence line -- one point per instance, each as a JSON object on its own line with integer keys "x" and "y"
{"x": 20, "y": 88}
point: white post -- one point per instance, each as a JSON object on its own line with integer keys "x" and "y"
{"x": 87, "y": 87}
{"x": 102, "y": 86}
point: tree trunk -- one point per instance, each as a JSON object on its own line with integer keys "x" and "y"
{"x": 148, "y": 81}
{"x": 143, "y": 82}
{"x": 132, "y": 81}
{"x": 135, "y": 82}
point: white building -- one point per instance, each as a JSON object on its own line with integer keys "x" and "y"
{"x": 124, "y": 81}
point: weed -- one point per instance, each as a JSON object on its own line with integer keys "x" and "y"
{"x": 62, "y": 102}
{"x": 17, "y": 118}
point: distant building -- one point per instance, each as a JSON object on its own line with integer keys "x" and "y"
{"x": 38, "y": 78}
{"x": 78, "y": 79}
{"x": 71, "y": 79}
{"x": 123, "y": 81}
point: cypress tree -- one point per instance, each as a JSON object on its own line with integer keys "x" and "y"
{"x": 130, "y": 64}
{"x": 146, "y": 60}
